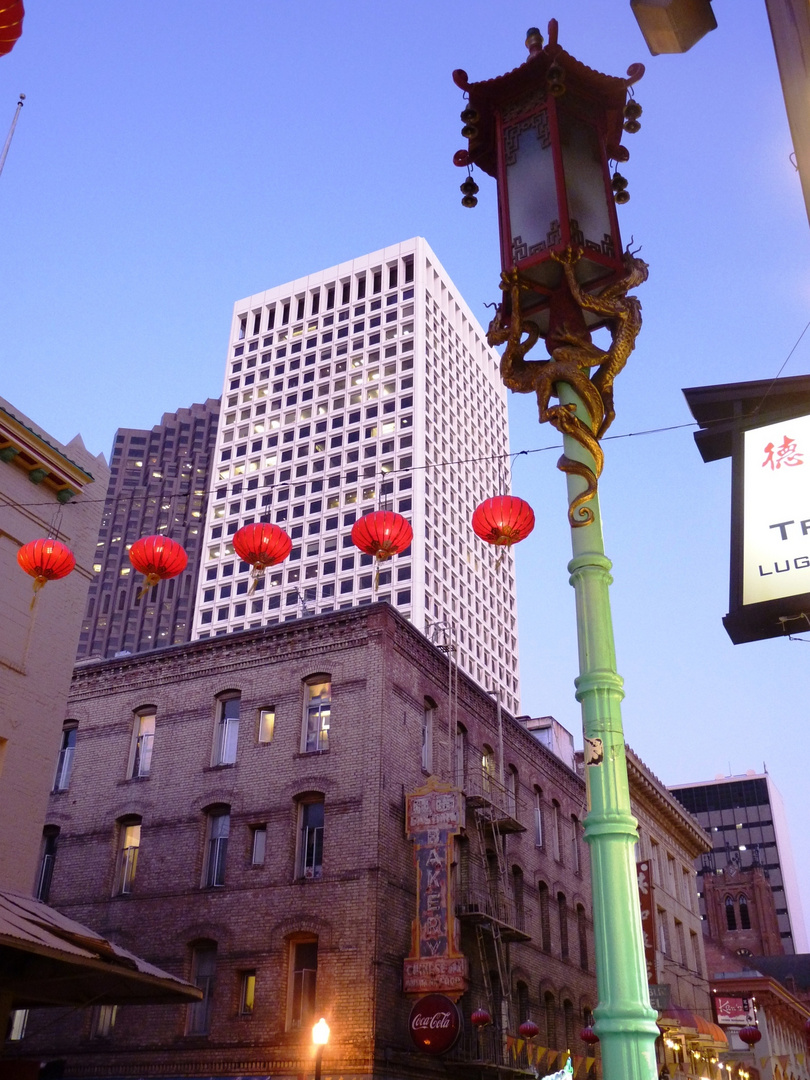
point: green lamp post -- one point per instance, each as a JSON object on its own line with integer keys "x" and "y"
{"x": 548, "y": 131}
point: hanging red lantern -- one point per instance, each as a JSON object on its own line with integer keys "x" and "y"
{"x": 382, "y": 534}
{"x": 589, "y": 1036}
{"x": 45, "y": 560}
{"x": 11, "y": 20}
{"x": 261, "y": 545}
{"x": 503, "y": 520}
{"x": 751, "y": 1035}
{"x": 528, "y": 1029}
{"x": 480, "y": 1018}
{"x": 159, "y": 558}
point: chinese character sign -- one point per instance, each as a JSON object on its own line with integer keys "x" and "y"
{"x": 645, "y": 897}
{"x": 737, "y": 1011}
{"x": 434, "y": 814}
{"x": 776, "y": 511}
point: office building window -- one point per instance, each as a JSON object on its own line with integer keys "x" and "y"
{"x": 64, "y": 764}
{"x": 227, "y": 731}
{"x": 310, "y": 864}
{"x": 203, "y": 966}
{"x": 304, "y": 973}
{"x": 143, "y": 739}
{"x": 219, "y": 827}
{"x": 127, "y": 862}
{"x": 317, "y": 713}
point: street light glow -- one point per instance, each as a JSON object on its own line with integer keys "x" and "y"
{"x": 320, "y": 1033}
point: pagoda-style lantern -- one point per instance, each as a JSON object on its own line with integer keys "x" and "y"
{"x": 589, "y": 1036}
{"x": 480, "y": 1018}
{"x": 503, "y": 520}
{"x": 528, "y": 1029}
{"x": 750, "y": 1035}
{"x": 159, "y": 558}
{"x": 45, "y": 560}
{"x": 548, "y": 131}
{"x": 382, "y": 534}
{"x": 261, "y": 545}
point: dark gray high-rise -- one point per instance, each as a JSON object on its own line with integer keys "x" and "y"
{"x": 159, "y": 483}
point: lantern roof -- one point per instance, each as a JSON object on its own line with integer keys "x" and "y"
{"x": 593, "y": 91}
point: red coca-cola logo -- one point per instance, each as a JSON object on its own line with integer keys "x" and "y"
{"x": 435, "y": 1023}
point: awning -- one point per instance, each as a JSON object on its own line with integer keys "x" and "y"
{"x": 48, "y": 959}
{"x": 693, "y": 1026}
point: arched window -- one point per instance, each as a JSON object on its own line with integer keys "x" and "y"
{"x": 511, "y": 791}
{"x": 227, "y": 730}
{"x": 310, "y": 837}
{"x": 745, "y": 917}
{"x": 575, "y": 858}
{"x": 545, "y": 917}
{"x": 303, "y": 982}
{"x": 50, "y": 837}
{"x": 143, "y": 736}
{"x": 428, "y": 713}
{"x": 731, "y": 917}
{"x": 129, "y": 842}
{"x": 562, "y": 911}
{"x": 461, "y": 757}
{"x": 538, "y": 817}
{"x": 570, "y": 1027}
{"x": 64, "y": 764}
{"x": 550, "y": 1014}
{"x": 517, "y": 891}
{"x": 522, "y": 1002}
{"x": 582, "y": 933}
{"x": 317, "y": 713}
{"x": 487, "y": 768}
{"x": 556, "y": 831}
{"x": 203, "y": 966}
{"x": 218, "y": 830}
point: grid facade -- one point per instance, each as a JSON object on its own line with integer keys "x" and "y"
{"x": 159, "y": 483}
{"x": 745, "y": 820}
{"x": 366, "y": 386}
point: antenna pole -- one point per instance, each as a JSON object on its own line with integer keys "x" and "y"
{"x": 17, "y": 112}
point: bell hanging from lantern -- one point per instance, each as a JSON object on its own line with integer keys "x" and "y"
{"x": 158, "y": 558}
{"x": 503, "y": 520}
{"x": 261, "y": 545}
{"x": 45, "y": 560}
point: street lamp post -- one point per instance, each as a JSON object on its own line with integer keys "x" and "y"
{"x": 320, "y": 1037}
{"x": 547, "y": 131}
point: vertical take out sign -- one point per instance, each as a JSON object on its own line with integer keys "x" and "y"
{"x": 434, "y": 816}
{"x": 776, "y": 511}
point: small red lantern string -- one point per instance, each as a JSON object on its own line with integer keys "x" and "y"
{"x": 503, "y": 520}
{"x": 261, "y": 545}
{"x": 159, "y": 558}
{"x": 589, "y": 1036}
{"x": 45, "y": 560}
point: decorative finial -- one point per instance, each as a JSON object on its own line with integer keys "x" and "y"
{"x": 534, "y": 41}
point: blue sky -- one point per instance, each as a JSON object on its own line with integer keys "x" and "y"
{"x": 172, "y": 158}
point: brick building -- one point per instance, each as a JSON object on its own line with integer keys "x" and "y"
{"x": 253, "y": 839}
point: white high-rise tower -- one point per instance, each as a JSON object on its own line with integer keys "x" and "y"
{"x": 366, "y": 386}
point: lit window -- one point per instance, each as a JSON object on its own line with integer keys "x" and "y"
{"x": 267, "y": 723}
{"x": 247, "y": 993}
{"x": 317, "y": 715}
{"x": 130, "y": 841}
{"x": 144, "y": 736}
{"x": 103, "y": 1021}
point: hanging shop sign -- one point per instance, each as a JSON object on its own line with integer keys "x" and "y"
{"x": 734, "y": 1011}
{"x": 435, "y": 1023}
{"x": 765, "y": 429}
{"x": 434, "y": 816}
{"x": 645, "y": 899}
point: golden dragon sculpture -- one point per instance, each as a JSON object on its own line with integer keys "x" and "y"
{"x": 572, "y": 357}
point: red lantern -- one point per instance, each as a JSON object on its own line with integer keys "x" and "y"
{"x": 11, "y": 20}
{"x": 262, "y": 545}
{"x": 480, "y": 1018}
{"x": 159, "y": 558}
{"x": 503, "y": 521}
{"x": 528, "y": 1029}
{"x": 45, "y": 560}
{"x": 589, "y": 1036}
{"x": 382, "y": 534}
{"x": 751, "y": 1035}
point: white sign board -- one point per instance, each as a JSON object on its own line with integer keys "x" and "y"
{"x": 776, "y": 509}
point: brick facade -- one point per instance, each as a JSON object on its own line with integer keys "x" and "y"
{"x": 360, "y": 901}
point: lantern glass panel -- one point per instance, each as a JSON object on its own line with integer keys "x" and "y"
{"x": 587, "y": 194}
{"x": 532, "y": 190}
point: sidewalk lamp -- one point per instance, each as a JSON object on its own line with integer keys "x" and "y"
{"x": 320, "y": 1037}
{"x": 550, "y": 132}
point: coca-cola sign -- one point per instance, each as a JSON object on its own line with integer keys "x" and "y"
{"x": 435, "y": 1023}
